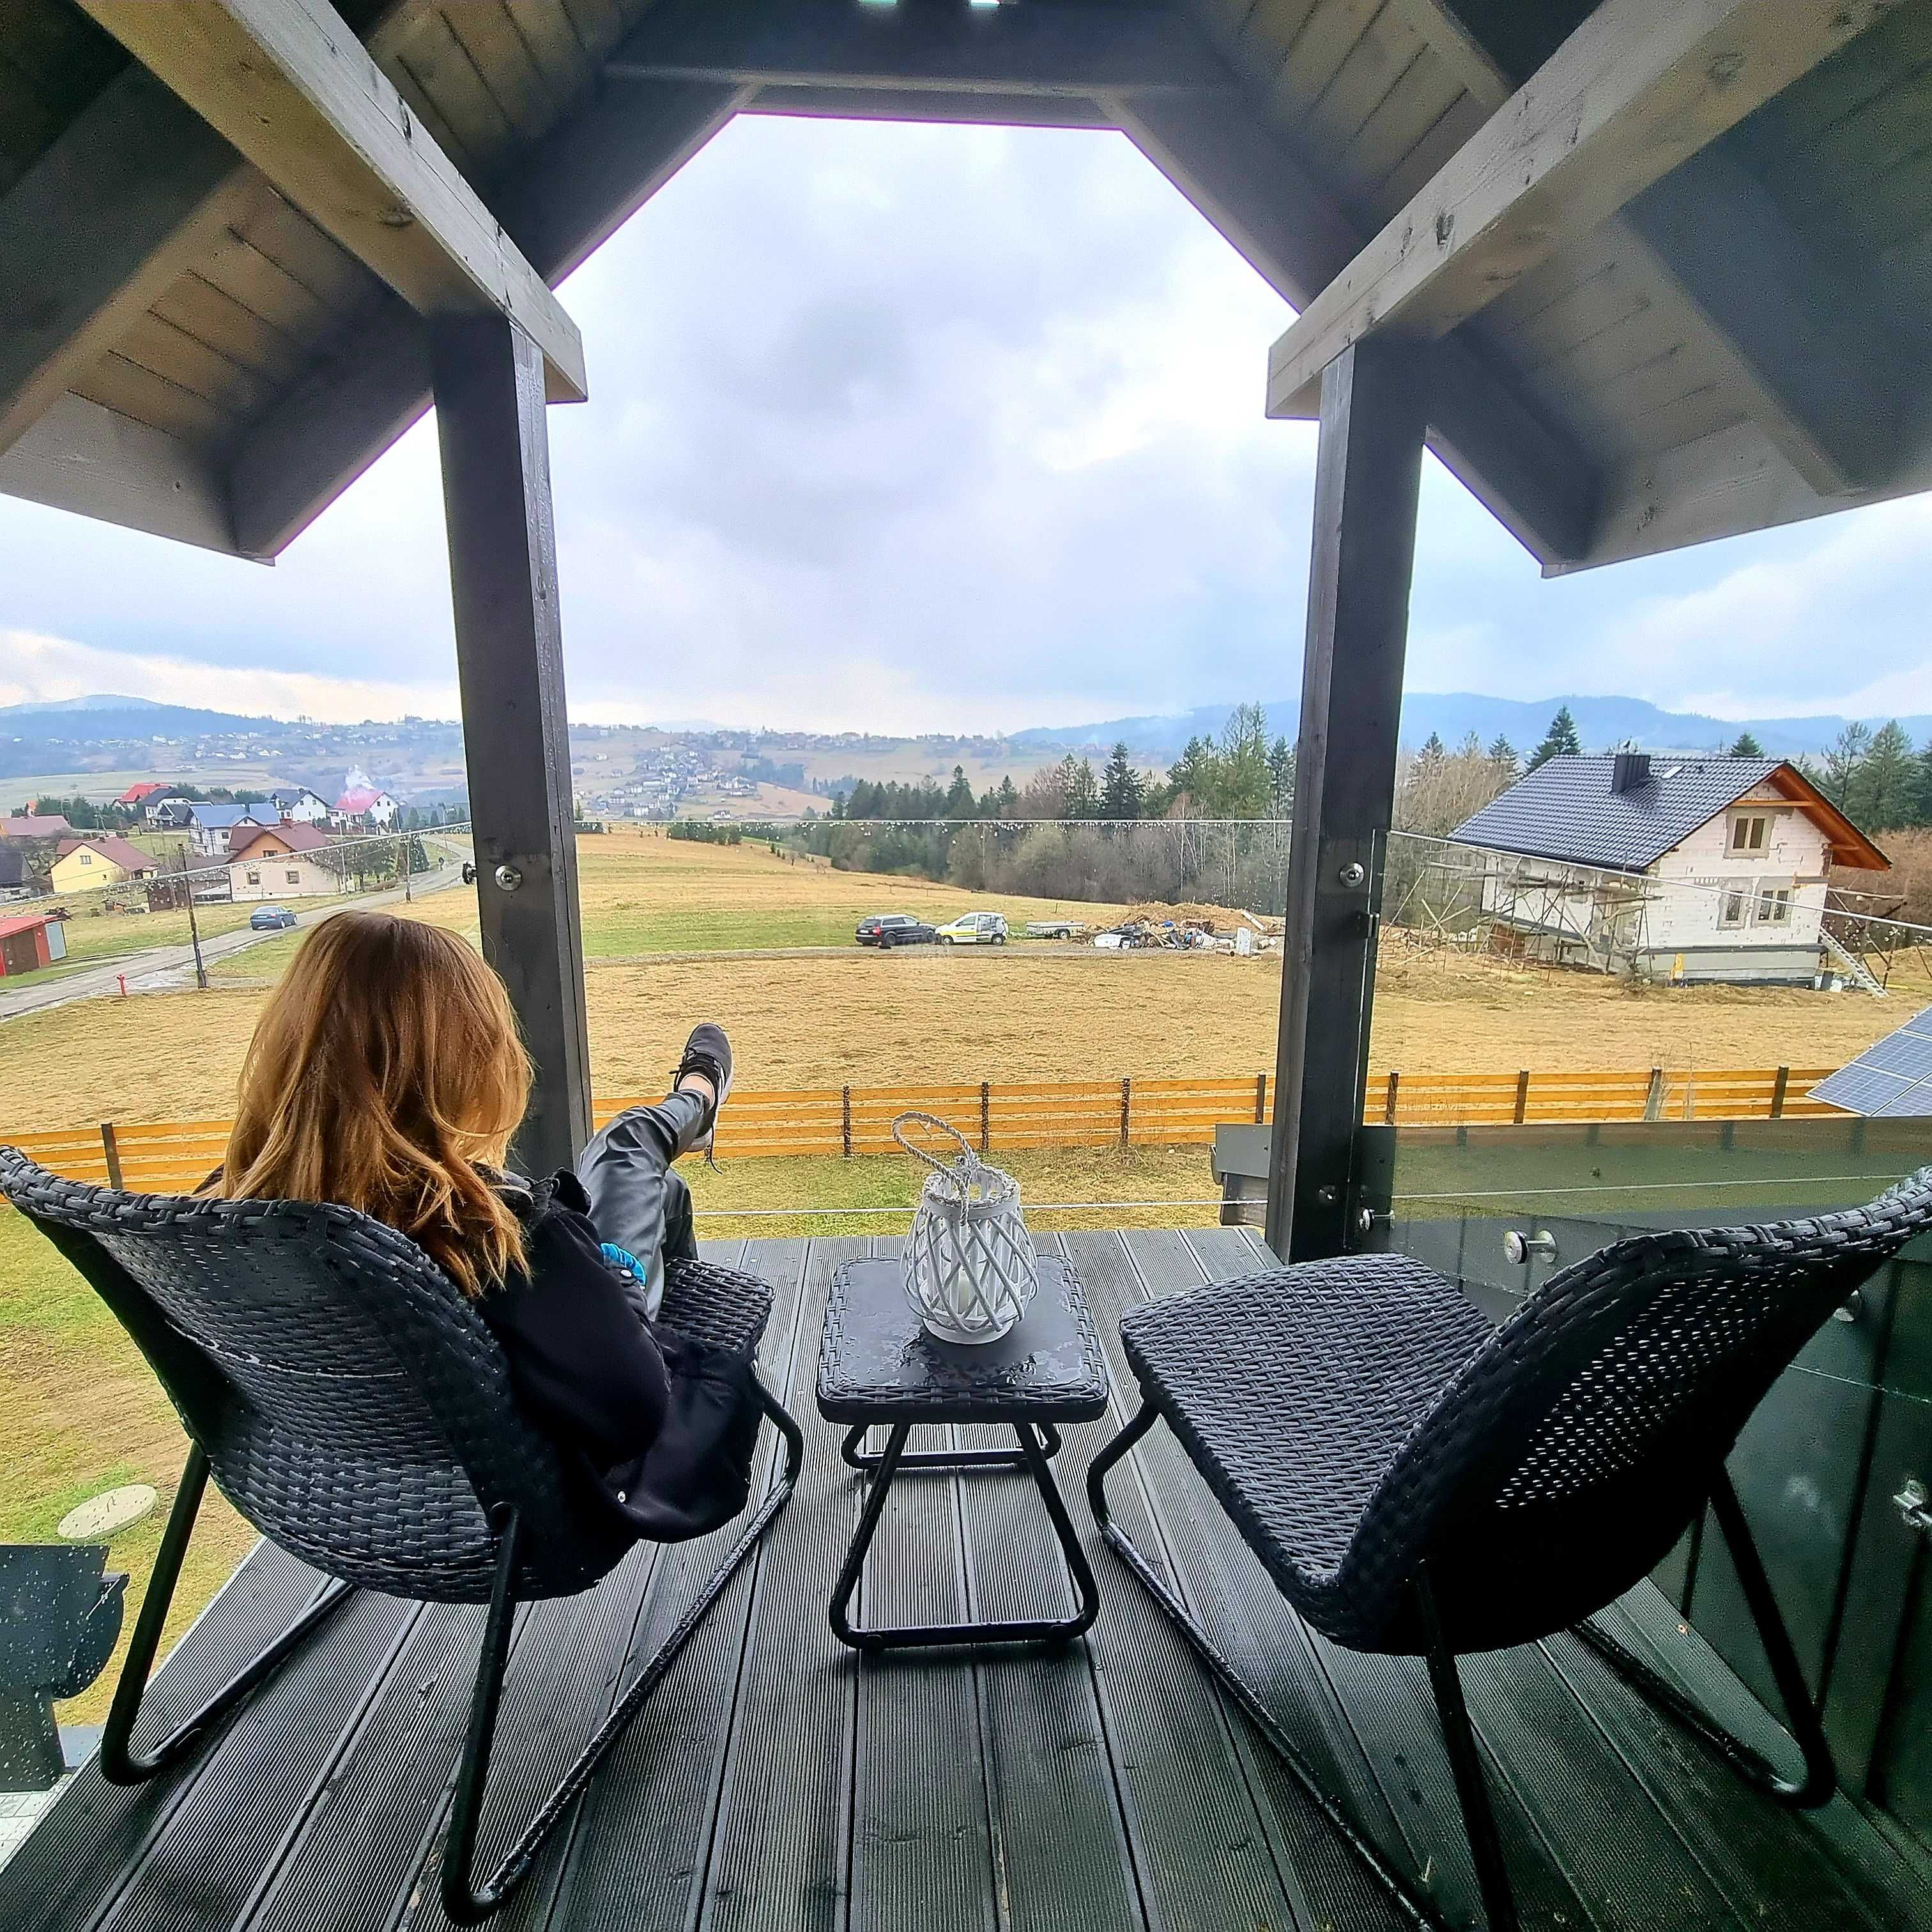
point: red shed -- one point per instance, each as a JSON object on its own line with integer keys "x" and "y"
{"x": 30, "y": 939}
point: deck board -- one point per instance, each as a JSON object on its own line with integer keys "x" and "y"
{"x": 778, "y": 1784}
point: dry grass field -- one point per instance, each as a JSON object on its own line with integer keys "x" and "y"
{"x": 1024, "y": 1011}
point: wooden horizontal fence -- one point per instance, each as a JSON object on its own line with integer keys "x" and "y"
{"x": 173, "y": 1156}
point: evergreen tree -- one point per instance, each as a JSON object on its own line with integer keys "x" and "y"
{"x": 1501, "y": 753}
{"x": 1843, "y": 757}
{"x": 1083, "y": 791}
{"x": 1922, "y": 796}
{"x": 1007, "y": 803}
{"x": 1560, "y": 741}
{"x": 1242, "y": 783}
{"x": 1281, "y": 777}
{"x": 959, "y": 800}
{"x": 1884, "y": 794}
{"x": 1433, "y": 750}
{"x": 1746, "y": 747}
{"x": 1121, "y": 787}
{"x": 1191, "y": 775}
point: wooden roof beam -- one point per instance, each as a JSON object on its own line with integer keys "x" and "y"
{"x": 1821, "y": 368}
{"x": 1639, "y": 87}
{"x": 1533, "y": 479}
{"x": 288, "y": 84}
{"x": 1077, "y": 48}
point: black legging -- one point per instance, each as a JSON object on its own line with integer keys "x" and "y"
{"x": 637, "y": 1203}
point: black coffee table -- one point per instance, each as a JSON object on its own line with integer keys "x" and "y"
{"x": 879, "y": 1366}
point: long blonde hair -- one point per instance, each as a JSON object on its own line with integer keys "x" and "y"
{"x": 387, "y": 1075}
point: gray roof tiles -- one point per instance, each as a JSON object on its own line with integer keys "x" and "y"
{"x": 1565, "y": 809}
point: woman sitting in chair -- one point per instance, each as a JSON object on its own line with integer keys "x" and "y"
{"x": 387, "y": 1076}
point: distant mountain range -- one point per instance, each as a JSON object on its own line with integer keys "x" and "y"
{"x": 1452, "y": 715}
{"x": 1601, "y": 722}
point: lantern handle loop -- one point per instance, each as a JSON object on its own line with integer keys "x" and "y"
{"x": 945, "y": 1127}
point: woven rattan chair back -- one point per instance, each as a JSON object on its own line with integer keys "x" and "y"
{"x": 352, "y": 1404}
{"x": 1578, "y": 1442}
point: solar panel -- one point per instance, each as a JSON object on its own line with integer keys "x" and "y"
{"x": 1892, "y": 1077}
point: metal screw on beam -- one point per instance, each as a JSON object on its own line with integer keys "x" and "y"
{"x": 1913, "y": 1507}
{"x": 1352, "y": 874}
{"x": 508, "y": 878}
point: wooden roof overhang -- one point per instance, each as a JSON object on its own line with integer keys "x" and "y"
{"x": 1675, "y": 260}
{"x": 1849, "y": 847}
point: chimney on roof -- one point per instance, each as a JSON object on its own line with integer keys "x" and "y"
{"x": 1628, "y": 770}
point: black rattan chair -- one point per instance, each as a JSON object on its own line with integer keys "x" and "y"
{"x": 354, "y": 1407}
{"x": 1417, "y": 1481}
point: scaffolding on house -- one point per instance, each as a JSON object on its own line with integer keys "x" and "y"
{"x": 1540, "y": 911}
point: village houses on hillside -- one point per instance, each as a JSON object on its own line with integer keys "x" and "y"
{"x": 1672, "y": 868}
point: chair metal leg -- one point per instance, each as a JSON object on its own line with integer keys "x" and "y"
{"x": 1031, "y": 1455}
{"x": 467, "y": 1903}
{"x": 1820, "y": 1778}
{"x": 854, "y": 1450}
{"x": 1419, "y": 1911}
{"x": 1465, "y": 1763}
{"x": 119, "y": 1763}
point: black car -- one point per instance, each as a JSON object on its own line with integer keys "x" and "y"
{"x": 896, "y": 928}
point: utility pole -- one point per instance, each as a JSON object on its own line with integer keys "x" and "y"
{"x": 193, "y": 927}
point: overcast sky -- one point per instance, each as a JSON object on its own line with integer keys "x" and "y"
{"x": 915, "y": 428}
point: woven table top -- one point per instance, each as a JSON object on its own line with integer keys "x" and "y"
{"x": 878, "y": 1364}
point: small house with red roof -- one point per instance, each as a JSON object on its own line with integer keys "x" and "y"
{"x": 365, "y": 807}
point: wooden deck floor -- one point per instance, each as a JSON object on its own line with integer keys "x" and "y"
{"x": 777, "y": 1782}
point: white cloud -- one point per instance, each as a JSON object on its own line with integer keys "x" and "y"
{"x": 926, "y": 427}
{"x": 42, "y": 670}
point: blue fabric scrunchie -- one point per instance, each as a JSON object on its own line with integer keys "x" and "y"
{"x": 624, "y": 1261}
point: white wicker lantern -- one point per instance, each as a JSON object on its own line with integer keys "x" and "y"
{"x": 969, "y": 1261}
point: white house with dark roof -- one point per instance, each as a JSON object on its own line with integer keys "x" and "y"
{"x": 296, "y": 805}
{"x": 1674, "y": 868}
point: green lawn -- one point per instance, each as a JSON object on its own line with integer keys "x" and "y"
{"x": 84, "y": 1414}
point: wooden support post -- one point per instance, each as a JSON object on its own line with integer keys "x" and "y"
{"x": 1522, "y": 1113}
{"x": 489, "y": 382}
{"x": 1389, "y": 1099}
{"x": 1126, "y": 1115}
{"x": 111, "y": 1148}
{"x": 1778, "y": 1084}
{"x": 985, "y": 1118}
{"x": 1368, "y": 474}
{"x": 845, "y": 1120}
{"x": 1261, "y": 1100}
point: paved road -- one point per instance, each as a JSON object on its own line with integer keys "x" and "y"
{"x": 162, "y": 967}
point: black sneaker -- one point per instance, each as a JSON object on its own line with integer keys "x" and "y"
{"x": 707, "y": 1053}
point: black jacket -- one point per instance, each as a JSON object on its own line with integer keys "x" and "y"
{"x": 658, "y": 1427}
